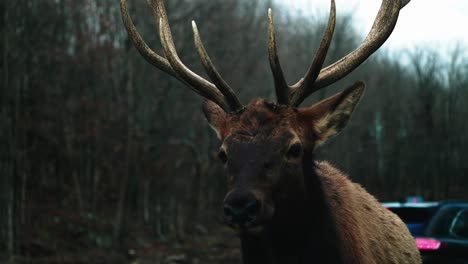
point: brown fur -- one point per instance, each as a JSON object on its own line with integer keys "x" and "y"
{"x": 258, "y": 118}
{"x": 369, "y": 232}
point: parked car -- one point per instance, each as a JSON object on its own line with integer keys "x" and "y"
{"x": 415, "y": 214}
{"x": 445, "y": 240}
{"x": 440, "y": 229}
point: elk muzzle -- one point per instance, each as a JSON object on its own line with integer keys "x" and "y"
{"x": 241, "y": 209}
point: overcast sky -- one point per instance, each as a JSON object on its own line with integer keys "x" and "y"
{"x": 437, "y": 23}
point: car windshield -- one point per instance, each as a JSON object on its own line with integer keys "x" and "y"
{"x": 415, "y": 218}
{"x": 412, "y": 214}
{"x": 450, "y": 222}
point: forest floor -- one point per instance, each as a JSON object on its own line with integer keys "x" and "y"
{"x": 63, "y": 236}
{"x": 218, "y": 246}
{"x": 215, "y": 247}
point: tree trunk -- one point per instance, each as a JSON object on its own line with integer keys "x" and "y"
{"x": 121, "y": 208}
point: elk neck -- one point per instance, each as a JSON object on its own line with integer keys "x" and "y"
{"x": 303, "y": 223}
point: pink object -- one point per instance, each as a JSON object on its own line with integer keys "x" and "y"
{"x": 427, "y": 244}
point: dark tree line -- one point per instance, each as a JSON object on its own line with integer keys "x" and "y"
{"x": 98, "y": 147}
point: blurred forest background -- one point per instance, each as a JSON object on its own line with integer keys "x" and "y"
{"x": 103, "y": 157}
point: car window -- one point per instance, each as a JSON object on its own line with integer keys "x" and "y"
{"x": 415, "y": 218}
{"x": 413, "y": 215}
{"x": 449, "y": 222}
{"x": 459, "y": 226}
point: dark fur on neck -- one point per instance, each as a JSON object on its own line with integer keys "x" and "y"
{"x": 302, "y": 231}
{"x": 325, "y": 243}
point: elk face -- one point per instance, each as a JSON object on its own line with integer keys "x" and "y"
{"x": 263, "y": 147}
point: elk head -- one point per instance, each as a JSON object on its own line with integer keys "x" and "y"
{"x": 263, "y": 143}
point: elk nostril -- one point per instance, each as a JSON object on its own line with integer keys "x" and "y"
{"x": 241, "y": 208}
{"x": 243, "y": 214}
{"x": 251, "y": 209}
{"x": 228, "y": 211}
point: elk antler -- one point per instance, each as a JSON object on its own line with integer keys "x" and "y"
{"x": 317, "y": 78}
{"x": 219, "y": 92}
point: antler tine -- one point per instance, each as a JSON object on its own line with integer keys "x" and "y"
{"x": 197, "y": 83}
{"x": 171, "y": 63}
{"x": 404, "y": 3}
{"x": 281, "y": 85}
{"x": 213, "y": 73}
{"x": 317, "y": 78}
{"x": 292, "y": 94}
{"x": 145, "y": 51}
{"x": 381, "y": 29}
{"x": 306, "y": 86}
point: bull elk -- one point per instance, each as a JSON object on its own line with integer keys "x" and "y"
{"x": 287, "y": 207}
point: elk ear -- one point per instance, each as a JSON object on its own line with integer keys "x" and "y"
{"x": 327, "y": 118}
{"x": 217, "y": 118}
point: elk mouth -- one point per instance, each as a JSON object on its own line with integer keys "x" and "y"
{"x": 256, "y": 225}
{"x": 251, "y": 229}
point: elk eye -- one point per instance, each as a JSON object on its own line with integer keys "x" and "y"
{"x": 294, "y": 151}
{"x": 222, "y": 156}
